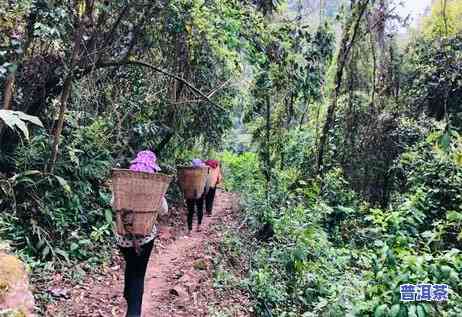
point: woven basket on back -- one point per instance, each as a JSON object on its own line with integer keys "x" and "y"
{"x": 137, "y": 198}
{"x": 192, "y": 181}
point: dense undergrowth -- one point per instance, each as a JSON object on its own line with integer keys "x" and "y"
{"x": 333, "y": 254}
{"x": 62, "y": 222}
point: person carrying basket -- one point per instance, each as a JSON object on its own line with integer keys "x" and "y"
{"x": 192, "y": 203}
{"x": 214, "y": 179}
{"x": 136, "y": 249}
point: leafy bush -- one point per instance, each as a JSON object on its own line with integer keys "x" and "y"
{"x": 433, "y": 180}
{"x": 241, "y": 173}
{"x": 433, "y": 83}
{"x": 65, "y": 215}
{"x": 333, "y": 255}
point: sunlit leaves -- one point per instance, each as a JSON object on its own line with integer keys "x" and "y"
{"x": 444, "y": 21}
{"x": 17, "y": 119}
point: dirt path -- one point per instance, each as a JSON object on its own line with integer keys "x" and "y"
{"x": 179, "y": 280}
{"x": 168, "y": 274}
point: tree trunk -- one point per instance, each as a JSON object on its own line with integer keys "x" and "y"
{"x": 267, "y": 154}
{"x": 8, "y": 95}
{"x": 347, "y": 42}
{"x": 10, "y": 80}
{"x": 382, "y": 87}
{"x": 445, "y": 17}
{"x": 67, "y": 88}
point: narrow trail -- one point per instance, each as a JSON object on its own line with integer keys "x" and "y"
{"x": 179, "y": 279}
{"x": 164, "y": 269}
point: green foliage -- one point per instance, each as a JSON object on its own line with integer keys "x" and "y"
{"x": 434, "y": 82}
{"x": 444, "y": 21}
{"x": 393, "y": 267}
{"x": 333, "y": 255}
{"x": 333, "y": 251}
{"x": 432, "y": 205}
{"x": 290, "y": 63}
{"x": 298, "y": 150}
{"x": 61, "y": 216}
{"x": 111, "y": 113}
{"x": 241, "y": 173}
{"x": 268, "y": 6}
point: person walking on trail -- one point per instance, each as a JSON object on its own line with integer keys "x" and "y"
{"x": 215, "y": 178}
{"x": 136, "y": 251}
{"x": 191, "y": 204}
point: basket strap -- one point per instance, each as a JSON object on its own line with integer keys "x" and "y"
{"x": 127, "y": 217}
{"x": 127, "y": 221}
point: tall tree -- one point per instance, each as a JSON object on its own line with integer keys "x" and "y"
{"x": 350, "y": 31}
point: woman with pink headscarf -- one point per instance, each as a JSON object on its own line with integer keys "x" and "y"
{"x": 137, "y": 259}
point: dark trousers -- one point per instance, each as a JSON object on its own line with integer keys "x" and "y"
{"x": 135, "y": 271}
{"x": 191, "y": 204}
{"x": 209, "y": 198}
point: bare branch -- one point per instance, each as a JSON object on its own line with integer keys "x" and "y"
{"x": 164, "y": 72}
{"x": 213, "y": 92}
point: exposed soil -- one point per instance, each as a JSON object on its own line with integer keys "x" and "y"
{"x": 179, "y": 280}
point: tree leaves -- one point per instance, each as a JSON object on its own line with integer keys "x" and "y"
{"x": 17, "y": 119}
{"x": 64, "y": 184}
{"x": 268, "y": 6}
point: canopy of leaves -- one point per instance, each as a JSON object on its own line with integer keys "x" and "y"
{"x": 445, "y": 19}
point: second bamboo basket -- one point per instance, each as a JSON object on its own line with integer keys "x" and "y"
{"x": 192, "y": 181}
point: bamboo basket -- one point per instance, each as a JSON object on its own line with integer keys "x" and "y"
{"x": 137, "y": 198}
{"x": 192, "y": 181}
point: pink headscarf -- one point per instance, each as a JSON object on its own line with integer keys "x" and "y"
{"x": 145, "y": 161}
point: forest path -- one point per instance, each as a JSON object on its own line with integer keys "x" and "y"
{"x": 179, "y": 279}
{"x": 175, "y": 273}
